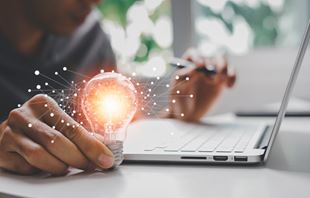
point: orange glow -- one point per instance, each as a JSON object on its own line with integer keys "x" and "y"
{"x": 109, "y": 101}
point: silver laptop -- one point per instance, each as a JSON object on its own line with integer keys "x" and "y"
{"x": 167, "y": 140}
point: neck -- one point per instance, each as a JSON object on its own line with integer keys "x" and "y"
{"x": 17, "y": 28}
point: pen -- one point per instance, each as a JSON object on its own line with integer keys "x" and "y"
{"x": 181, "y": 63}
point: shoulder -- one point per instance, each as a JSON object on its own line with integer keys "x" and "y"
{"x": 88, "y": 45}
{"x": 90, "y": 30}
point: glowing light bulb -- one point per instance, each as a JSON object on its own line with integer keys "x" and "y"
{"x": 109, "y": 103}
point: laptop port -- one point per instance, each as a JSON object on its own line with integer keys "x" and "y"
{"x": 220, "y": 158}
{"x": 240, "y": 158}
{"x": 193, "y": 157}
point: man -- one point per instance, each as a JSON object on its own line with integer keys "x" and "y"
{"x": 47, "y": 35}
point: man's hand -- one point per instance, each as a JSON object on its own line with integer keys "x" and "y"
{"x": 193, "y": 93}
{"x": 39, "y": 136}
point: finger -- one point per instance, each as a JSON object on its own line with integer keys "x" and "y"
{"x": 194, "y": 56}
{"x": 37, "y": 156}
{"x": 228, "y": 75}
{"x": 53, "y": 141}
{"x": 232, "y": 77}
{"x": 13, "y": 162}
{"x": 92, "y": 148}
{"x": 182, "y": 97}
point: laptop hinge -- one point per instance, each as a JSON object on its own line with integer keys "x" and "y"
{"x": 263, "y": 143}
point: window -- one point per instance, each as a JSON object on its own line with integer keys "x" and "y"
{"x": 142, "y": 35}
{"x": 237, "y": 26}
{"x": 140, "y": 32}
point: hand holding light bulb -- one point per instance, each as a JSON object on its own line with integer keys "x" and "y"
{"x": 109, "y": 104}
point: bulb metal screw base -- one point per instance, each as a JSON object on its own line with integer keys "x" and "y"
{"x": 117, "y": 150}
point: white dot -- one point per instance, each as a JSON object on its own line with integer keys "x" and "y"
{"x": 62, "y": 121}
{"x": 75, "y": 94}
{"x": 178, "y": 91}
{"x": 154, "y": 68}
{"x": 112, "y": 71}
{"x": 36, "y": 72}
{"x": 46, "y": 84}
{"x": 191, "y": 96}
{"x": 142, "y": 108}
{"x": 167, "y": 110}
{"x": 173, "y": 101}
{"x": 53, "y": 127}
{"x": 133, "y": 74}
{"x": 52, "y": 141}
{"x": 157, "y": 77}
{"x": 137, "y": 84}
{"x": 56, "y": 73}
{"x": 68, "y": 124}
{"x": 52, "y": 114}
{"x": 64, "y": 68}
{"x": 101, "y": 71}
{"x": 19, "y": 105}
{"x": 182, "y": 114}
{"x": 167, "y": 85}
{"x": 187, "y": 78}
{"x": 45, "y": 105}
{"x": 29, "y": 90}
{"x": 177, "y": 77}
{"x": 29, "y": 125}
{"x": 38, "y": 86}
{"x": 154, "y": 103}
{"x": 150, "y": 90}
{"x": 152, "y": 83}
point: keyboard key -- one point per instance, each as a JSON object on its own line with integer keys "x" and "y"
{"x": 230, "y": 141}
{"x": 195, "y": 144}
{"x": 177, "y": 145}
{"x": 243, "y": 143}
{"x": 211, "y": 144}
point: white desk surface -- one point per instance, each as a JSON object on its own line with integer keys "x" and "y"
{"x": 287, "y": 174}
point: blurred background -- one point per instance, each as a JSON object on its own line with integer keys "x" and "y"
{"x": 260, "y": 38}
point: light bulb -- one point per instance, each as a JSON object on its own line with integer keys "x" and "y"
{"x": 109, "y": 104}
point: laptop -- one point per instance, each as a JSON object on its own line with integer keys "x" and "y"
{"x": 168, "y": 140}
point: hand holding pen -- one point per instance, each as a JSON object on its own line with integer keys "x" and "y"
{"x": 197, "y": 85}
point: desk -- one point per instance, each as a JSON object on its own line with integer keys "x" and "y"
{"x": 287, "y": 174}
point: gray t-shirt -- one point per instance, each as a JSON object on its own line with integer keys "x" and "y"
{"x": 86, "y": 51}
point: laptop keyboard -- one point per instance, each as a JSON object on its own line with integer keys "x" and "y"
{"x": 224, "y": 140}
